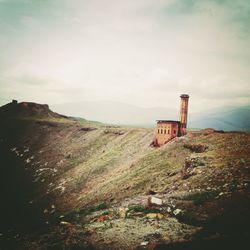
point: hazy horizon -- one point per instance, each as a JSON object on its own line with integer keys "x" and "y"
{"x": 143, "y": 53}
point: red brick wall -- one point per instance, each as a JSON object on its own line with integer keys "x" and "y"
{"x": 183, "y": 114}
{"x": 165, "y": 131}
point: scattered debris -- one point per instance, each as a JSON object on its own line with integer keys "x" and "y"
{"x": 86, "y": 129}
{"x": 154, "y": 201}
{"x": 65, "y": 223}
{"x": 123, "y": 212}
{"x": 26, "y": 150}
{"x": 60, "y": 163}
{"x": 69, "y": 155}
{"x": 177, "y": 211}
{"x": 28, "y": 160}
{"x": 144, "y": 243}
{"x": 154, "y": 216}
{"x": 150, "y": 192}
{"x": 104, "y": 218}
{"x": 197, "y": 148}
{"x": 189, "y": 167}
{"x": 115, "y": 132}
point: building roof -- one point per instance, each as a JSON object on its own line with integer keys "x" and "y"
{"x": 170, "y": 121}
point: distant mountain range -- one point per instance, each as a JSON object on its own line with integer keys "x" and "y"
{"x": 227, "y": 118}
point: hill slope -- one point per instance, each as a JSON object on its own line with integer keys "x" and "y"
{"x": 87, "y": 185}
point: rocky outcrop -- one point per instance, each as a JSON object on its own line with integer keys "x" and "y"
{"x": 27, "y": 109}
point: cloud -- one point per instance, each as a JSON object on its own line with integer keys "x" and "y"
{"x": 142, "y": 52}
{"x": 26, "y": 74}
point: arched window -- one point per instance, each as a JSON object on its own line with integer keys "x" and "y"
{"x": 158, "y": 131}
{"x": 165, "y": 131}
{"x": 161, "y": 131}
{"x": 168, "y": 131}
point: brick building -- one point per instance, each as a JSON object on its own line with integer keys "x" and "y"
{"x": 166, "y": 130}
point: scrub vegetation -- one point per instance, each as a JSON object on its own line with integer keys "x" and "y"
{"x": 68, "y": 182}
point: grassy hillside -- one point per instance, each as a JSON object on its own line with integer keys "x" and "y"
{"x": 86, "y": 185}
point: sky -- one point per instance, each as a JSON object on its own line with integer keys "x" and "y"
{"x": 140, "y": 52}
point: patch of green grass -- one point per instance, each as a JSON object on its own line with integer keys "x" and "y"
{"x": 100, "y": 206}
{"x": 142, "y": 209}
{"x": 149, "y": 171}
{"x": 106, "y": 212}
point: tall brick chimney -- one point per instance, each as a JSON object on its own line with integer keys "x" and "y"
{"x": 183, "y": 114}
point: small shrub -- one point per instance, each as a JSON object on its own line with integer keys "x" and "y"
{"x": 78, "y": 213}
{"x": 142, "y": 209}
{"x": 189, "y": 219}
{"x": 201, "y": 197}
{"x": 197, "y": 148}
{"x": 106, "y": 212}
{"x": 189, "y": 166}
{"x": 98, "y": 207}
{"x": 186, "y": 174}
{"x": 86, "y": 129}
{"x": 193, "y": 163}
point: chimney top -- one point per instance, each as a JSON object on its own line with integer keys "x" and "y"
{"x": 184, "y": 96}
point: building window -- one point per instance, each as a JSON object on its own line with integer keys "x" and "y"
{"x": 168, "y": 131}
{"x": 174, "y": 131}
{"x": 158, "y": 131}
{"x": 165, "y": 131}
{"x": 161, "y": 131}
